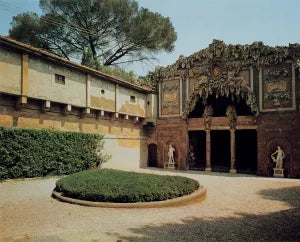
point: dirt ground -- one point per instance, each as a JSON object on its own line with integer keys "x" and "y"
{"x": 237, "y": 208}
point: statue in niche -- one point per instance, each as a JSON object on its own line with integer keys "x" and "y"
{"x": 171, "y": 154}
{"x": 279, "y": 157}
{"x": 171, "y": 162}
{"x": 207, "y": 115}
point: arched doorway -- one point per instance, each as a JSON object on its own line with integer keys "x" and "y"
{"x": 152, "y": 155}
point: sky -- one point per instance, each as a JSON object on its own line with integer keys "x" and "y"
{"x": 198, "y": 22}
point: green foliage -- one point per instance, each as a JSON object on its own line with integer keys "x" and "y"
{"x": 88, "y": 59}
{"x": 128, "y": 76}
{"x": 26, "y": 27}
{"x": 110, "y": 29}
{"x": 107, "y": 185}
{"x": 33, "y": 153}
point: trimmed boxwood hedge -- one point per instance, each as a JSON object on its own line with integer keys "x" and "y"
{"x": 107, "y": 185}
{"x": 35, "y": 153}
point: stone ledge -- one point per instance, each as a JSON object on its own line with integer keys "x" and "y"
{"x": 197, "y": 196}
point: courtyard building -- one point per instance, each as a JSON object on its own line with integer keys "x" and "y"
{"x": 225, "y": 108}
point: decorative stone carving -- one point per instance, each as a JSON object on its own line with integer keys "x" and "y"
{"x": 277, "y": 86}
{"x": 207, "y": 115}
{"x": 170, "y": 87}
{"x": 231, "y": 114}
{"x": 220, "y": 65}
{"x": 278, "y": 170}
{"x": 172, "y": 105}
{"x": 170, "y": 97}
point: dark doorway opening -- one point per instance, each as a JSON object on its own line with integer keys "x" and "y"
{"x": 246, "y": 151}
{"x": 152, "y": 155}
{"x": 220, "y": 150}
{"x": 197, "y": 150}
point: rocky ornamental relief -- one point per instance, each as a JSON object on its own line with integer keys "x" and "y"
{"x": 235, "y": 61}
{"x": 221, "y": 80}
{"x": 277, "y": 86}
{"x": 170, "y": 97}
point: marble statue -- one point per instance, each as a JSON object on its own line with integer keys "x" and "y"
{"x": 279, "y": 157}
{"x": 171, "y": 154}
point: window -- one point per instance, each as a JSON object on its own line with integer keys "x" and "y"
{"x": 60, "y": 79}
{"x": 102, "y": 91}
{"x": 132, "y": 99}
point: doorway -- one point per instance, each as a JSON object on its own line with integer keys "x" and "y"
{"x": 246, "y": 151}
{"x": 197, "y": 150}
{"x": 152, "y": 155}
{"x": 220, "y": 150}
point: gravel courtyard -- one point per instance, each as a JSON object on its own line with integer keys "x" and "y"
{"x": 237, "y": 208}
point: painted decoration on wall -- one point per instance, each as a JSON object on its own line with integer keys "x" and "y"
{"x": 277, "y": 86}
{"x": 170, "y": 101}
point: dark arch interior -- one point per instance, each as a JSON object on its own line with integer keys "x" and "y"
{"x": 220, "y": 105}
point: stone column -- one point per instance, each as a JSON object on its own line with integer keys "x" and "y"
{"x": 232, "y": 151}
{"x": 208, "y": 151}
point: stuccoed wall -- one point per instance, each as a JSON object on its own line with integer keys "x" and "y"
{"x": 152, "y": 106}
{"x": 124, "y": 141}
{"x": 104, "y": 100}
{"x": 126, "y": 106}
{"x": 10, "y": 72}
{"x": 42, "y": 85}
{"x": 34, "y": 100}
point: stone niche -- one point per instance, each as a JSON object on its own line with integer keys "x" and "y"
{"x": 277, "y": 90}
{"x": 170, "y": 97}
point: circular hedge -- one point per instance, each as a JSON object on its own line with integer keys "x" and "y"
{"x": 107, "y": 185}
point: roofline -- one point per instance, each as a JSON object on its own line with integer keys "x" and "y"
{"x": 25, "y": 48}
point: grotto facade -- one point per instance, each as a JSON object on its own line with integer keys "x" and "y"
{"x": 227, "y": 108}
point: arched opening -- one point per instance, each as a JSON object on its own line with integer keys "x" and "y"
{"x": 220, "y": 105}
{"x": 152, "y": 155}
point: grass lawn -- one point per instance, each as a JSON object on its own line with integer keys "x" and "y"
{"x": 108, "y": 185}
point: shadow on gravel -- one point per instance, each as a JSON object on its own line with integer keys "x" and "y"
{"x": 278, "y": 226}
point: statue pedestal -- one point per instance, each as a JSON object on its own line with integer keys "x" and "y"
{"x": 278, "y": 172}
{"x": 171, "y": 166}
